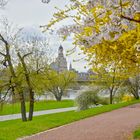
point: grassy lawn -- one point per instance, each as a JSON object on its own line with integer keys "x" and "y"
{"x": 11, "y": 130}
{"x": 41, "y": 105}
{"x": 136, "y": 133}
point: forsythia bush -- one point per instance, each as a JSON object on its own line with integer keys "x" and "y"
{"x": 126, "y": 98}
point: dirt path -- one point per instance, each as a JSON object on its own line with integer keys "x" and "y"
{"x": 114, "y": 125}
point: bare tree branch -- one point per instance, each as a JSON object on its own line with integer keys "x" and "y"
{"x": 130, "y": 19}
{"x": 27, "y": 55}
{"x": 126, "y": 17}
{"x": 3, "y": 40}
{"x": 3, "y": 98}
{"x": 2, "y": 54}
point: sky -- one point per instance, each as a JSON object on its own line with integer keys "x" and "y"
{"x": 33, "y": 13}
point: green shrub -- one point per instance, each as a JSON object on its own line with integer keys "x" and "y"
{"x": 104, "y": 100}
{"x": 88, "y": 99}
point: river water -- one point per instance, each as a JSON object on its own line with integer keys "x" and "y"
{"x": 70, "y": 94}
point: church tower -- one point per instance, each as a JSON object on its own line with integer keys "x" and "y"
{"x": 60, "y": 64}
{"x": 60, "y": 51}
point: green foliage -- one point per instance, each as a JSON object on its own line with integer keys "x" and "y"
{"x": 110, "y": 81}
{"x": 136, "y": 133}
{"x": 89, "y": 98}
{"x": 133, "y": 85}
{"x": 11, "y": 130}
{"x": 119, "y": 96}
{"x": 56, "y": 83}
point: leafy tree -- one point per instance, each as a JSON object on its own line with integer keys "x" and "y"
{"x": 109, "y": 81}
{"x": 12, "y": 57}
{"x": 10, "y": 65}
{"x": 57, "y": 83}
{"x": 16, "y": 56}
{"x": 115, "y": 61}
{"x": 133, "y": 86}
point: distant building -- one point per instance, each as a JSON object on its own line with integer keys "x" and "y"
{"x": 82, "y": 76}
{"x": 60, "y": 65}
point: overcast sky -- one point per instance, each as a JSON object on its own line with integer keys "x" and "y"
{"x": 32, "y": 13}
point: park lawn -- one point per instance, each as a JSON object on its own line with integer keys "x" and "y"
{"x": 136, "y": 133}
{"x": 11, "y": 130}
{"x": 40, "y": 105}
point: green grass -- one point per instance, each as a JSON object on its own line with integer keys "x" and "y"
{"x": 136, "y": 133}
{"x": 41, "y": 105}
{"x": 11, "y": 130}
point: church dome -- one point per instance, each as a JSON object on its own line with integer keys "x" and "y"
{"x": 60, "y": 48}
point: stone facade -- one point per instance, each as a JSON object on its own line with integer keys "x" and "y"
{"x": 60, "y": 63}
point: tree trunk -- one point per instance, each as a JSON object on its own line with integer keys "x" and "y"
{"x": 31, "y": 107}
{"x": 137, "y": 93}
{"x": 111, "y": 98}
{"x": 28, "y": 81}
{"x": 136, "y": 96}
{"x": 0, "y": 95}
{"x": 23, "y": 107}
{"x": 58, "y": 97}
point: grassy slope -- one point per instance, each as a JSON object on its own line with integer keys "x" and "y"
{"x": 10, "y": 130}
{"x": 41, "y": 105}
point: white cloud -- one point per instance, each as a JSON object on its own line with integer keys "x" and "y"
{"x": 31, "y": 13}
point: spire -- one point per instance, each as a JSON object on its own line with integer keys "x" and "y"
{"x": 60, "y": 51}
{"x": 70, "y": 67}
{"x": 60, "y": 48}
